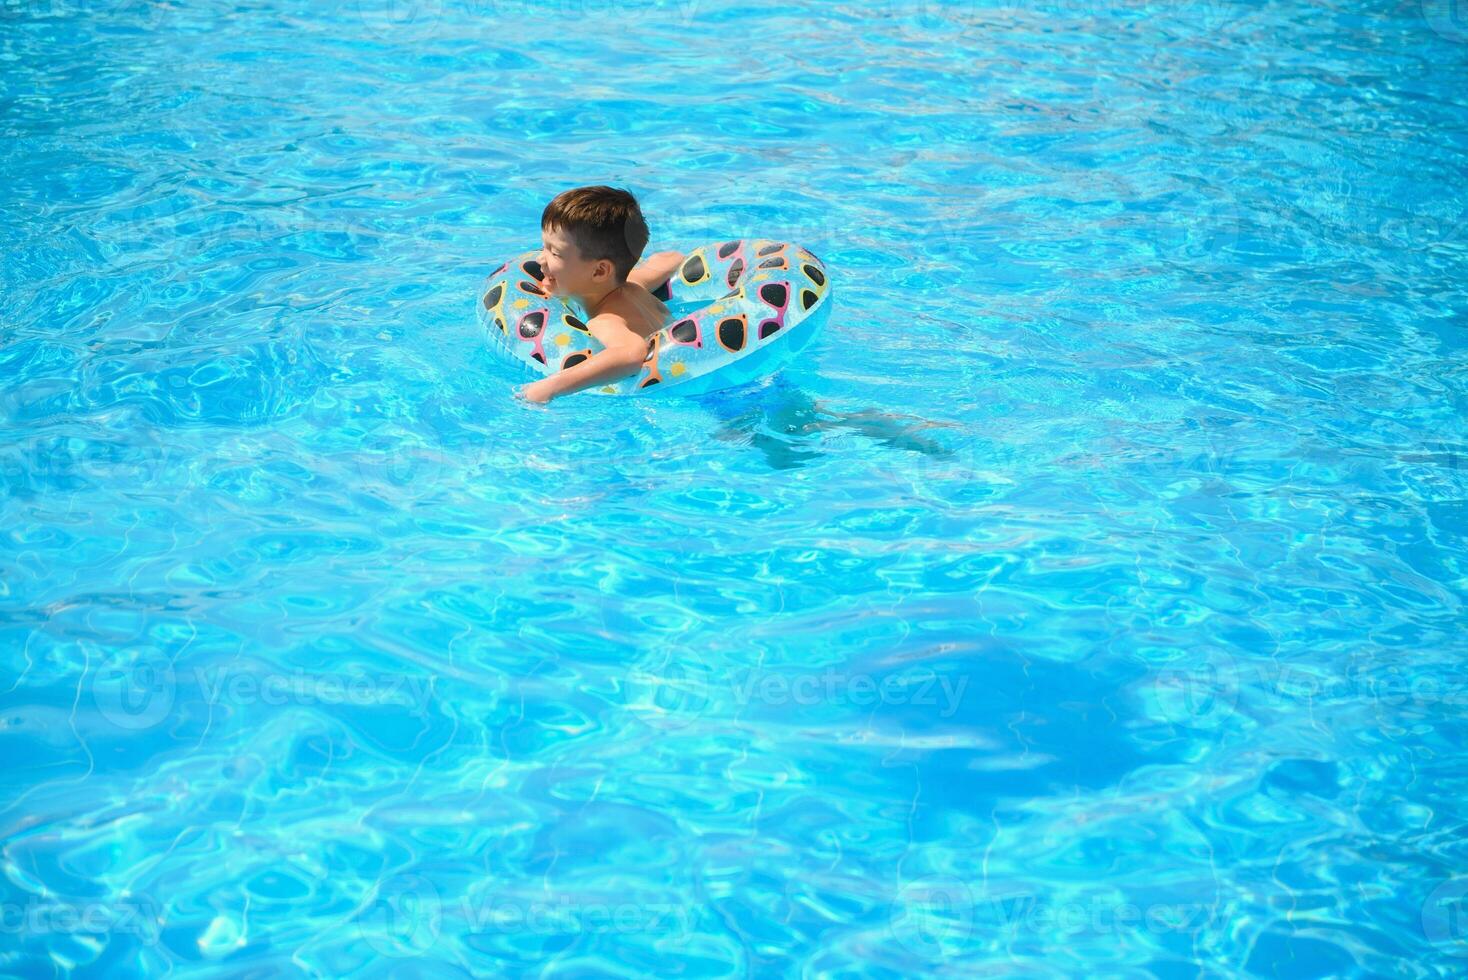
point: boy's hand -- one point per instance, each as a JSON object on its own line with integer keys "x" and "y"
{"x": 537, "y": 391}
{"x": 624, "y": 354}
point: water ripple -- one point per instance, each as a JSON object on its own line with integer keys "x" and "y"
{"x": 1091, "y": 597}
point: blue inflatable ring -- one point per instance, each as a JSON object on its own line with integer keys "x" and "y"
{"x": 759, "y": 303}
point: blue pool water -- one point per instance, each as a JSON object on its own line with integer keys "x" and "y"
{"x": 1088, "y": 602}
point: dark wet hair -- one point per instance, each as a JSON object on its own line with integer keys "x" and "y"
{"x": 604, "y": 222}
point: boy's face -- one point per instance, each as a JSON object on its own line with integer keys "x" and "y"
{"x": 566, "y": 272}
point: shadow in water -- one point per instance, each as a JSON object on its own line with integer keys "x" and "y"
{"x": 784, "y": 423}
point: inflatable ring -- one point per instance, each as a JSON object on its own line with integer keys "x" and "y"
{"x": 759, "y": 303}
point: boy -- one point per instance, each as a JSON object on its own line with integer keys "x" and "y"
{"x": 591, "y": 239}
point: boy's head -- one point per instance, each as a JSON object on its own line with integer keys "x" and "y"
{"x": 591, "y": 237}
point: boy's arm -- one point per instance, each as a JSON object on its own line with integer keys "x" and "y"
{"x": 653, "y": 271}
{"x": 624, "y": 354}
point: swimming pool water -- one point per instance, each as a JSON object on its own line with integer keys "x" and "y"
{"x": 1089, "y": 600}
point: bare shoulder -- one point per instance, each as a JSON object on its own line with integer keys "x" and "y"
{"x": 613, "y": 330}
{"x": 642, "y": 312}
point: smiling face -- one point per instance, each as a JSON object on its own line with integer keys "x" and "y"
{"x": 567, "y": 273}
